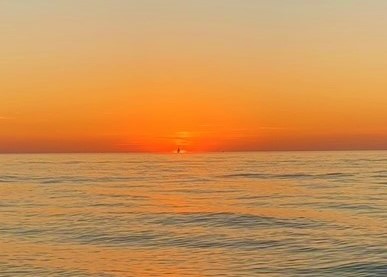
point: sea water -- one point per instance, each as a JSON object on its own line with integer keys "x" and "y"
{"x": 226, "y": 214}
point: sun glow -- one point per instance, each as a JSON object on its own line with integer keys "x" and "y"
{"x": 155, "y": 85}
{"x": 183, "y": 138}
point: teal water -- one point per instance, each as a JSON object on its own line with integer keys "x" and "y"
{"x": 236, "y": 214}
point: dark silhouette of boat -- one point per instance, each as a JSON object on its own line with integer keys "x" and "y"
{"x": 178, "y": 150}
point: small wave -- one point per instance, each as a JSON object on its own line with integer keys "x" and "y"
{"x": 189, "y": 180}
{"x": 165, "y": 240}
{"x": 379, "y": 176}
{"x": 11, "y": 269}
{"x": 69, "y": 179}
{"x": 8, "y": 178}
{"x": 352, "y": 207}
{"x": 288, "y": 176}
{"x": 350, "y": 269}
{"x": 231, "y": 220}
{"x": 246, "y": 175}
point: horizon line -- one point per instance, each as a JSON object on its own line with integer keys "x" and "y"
{"x": 193, "y": 152}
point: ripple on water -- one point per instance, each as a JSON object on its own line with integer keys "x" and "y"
{"x": 239, "y": 214}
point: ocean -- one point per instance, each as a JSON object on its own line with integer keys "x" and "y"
{"x": 224, "y": 214}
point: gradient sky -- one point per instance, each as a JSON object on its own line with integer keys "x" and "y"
{"x": 219, "y": 75}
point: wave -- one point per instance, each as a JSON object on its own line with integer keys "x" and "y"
{"x": 288, "y": 176}
{"x": 231, "y": 220}
{"x": 68, "y": 179}
{"x": 375, "y": 269}
{"x": 175, "y": 240}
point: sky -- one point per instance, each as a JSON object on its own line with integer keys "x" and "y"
{"x": 219, "y": 75}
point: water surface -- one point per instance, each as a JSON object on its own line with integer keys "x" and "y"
{"x": 239, "y": 214}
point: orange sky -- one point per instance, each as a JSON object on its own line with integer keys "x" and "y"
{"x": 220, "y": 75}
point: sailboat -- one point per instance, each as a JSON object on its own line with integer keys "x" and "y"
{"x": 178, "y": 150}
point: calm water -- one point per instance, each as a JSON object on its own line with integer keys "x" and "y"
{"x": 242, "y": 214}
